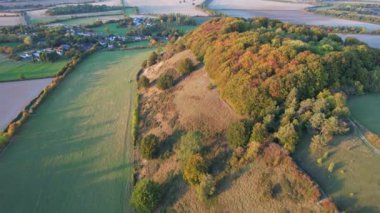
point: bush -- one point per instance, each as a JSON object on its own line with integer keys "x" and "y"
{"x": 145, "y": 196}
{"x": 165, "y": 81}
{"x": 143, "y": 82}
{"x": 206, "y": 188}
{"x": 152, "y": 59}
{"x": 185, "y": 66}
{"x": 237, "y": 134}
{"x": 259, "y": 133}
{"x": 149, "y": 146}
{"x": 194, "y": 170}
{"x": 190, "y": 144}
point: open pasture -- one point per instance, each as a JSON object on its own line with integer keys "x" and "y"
{"x": 18, "y": 70}
{"x": 365, "y": 109}
{"x": 354, "y": 183}
{"x": 74, "y": 153}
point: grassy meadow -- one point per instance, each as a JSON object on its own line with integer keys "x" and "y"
{"x": 111, "y": 28}
{"x": 13, "y": 70}
{"x": 9, "y": 44}
{"x": 74, "y": 153}
{"x": 353, "y": 184}
{"x": 365, "y": 109}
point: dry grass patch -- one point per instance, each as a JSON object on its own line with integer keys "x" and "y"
{"x": 200, "y": 106}
{"x": 272, "y": 183}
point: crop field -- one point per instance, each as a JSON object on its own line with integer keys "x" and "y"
{"x": 74, "y": 153}
{"x": 167, "y": 6}
{"x": 15, "y": 96}
{"x": 354, "y": 183}
{"x": 365, "y": 109}
{"x": 287, "y": 12}
{"x": 13, "y": 70}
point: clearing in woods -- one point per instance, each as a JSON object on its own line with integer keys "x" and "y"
{"x": 74, "y": 153}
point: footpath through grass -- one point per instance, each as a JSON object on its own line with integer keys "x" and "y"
{"x": 75, "y": 152}
{"x": 12, "y": 70}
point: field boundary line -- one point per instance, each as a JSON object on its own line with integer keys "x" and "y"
{"x": 23, "y": 116}
{"x": 359, "y": 132}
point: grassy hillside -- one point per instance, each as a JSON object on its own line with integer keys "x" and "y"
{"x": 74, "y": 154}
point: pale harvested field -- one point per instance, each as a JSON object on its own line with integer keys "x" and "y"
{"x": 186, "y": 7}
{"x": 256, "y": 5}
{"x": 371, "y": 40}
{"x": 42, "y": 2}
{"x": 11, "y": 20}
{"x": 199, "y": 105}
{"x": 288, "y": 12}
{"x": 15, "y": 96}
{"x": 40, "y": 16}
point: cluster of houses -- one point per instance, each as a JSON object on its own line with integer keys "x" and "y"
{"x": 35, "y": 54}
{"x": 106, "y": 41}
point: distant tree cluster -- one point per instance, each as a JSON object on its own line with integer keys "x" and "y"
{"x": 284, "y": 77}
{"x": 353, "y": 11}
{"x": 81, "y": 8}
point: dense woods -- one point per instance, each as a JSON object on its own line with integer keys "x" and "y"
{"x": 284, "y": 77}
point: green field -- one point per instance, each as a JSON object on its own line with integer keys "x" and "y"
{"x": 354, "y": 184}
{"x": 74, "y": 153}
{"x": 112, "y": 28}
{"x": 10, "y": 44}
{"x": 11, "y": 69}
{"x": 366, "y": 110}
{"x": 138, "y": 44}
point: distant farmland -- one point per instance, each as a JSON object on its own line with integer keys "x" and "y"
{"x": 74, "y": 153}
{"x": 14, "y": 70}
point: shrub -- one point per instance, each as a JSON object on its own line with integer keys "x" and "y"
{"x": 194, "y": 170}
{"x": 190, "y": 144}
{"x": 3, "y": 140}
{"x": 165, "y": 81}
{"x": 149, "y": 146}
{"x": 144, "y": 64}
{"x": 145, "y": 196}
{"x": 143, "y": 82}
{"x": 259, "y": 133}
{"x": 237, "y": 134}
{"x": 206, "y": 187}
{"x": 185, "y": 66}
{"x": 331, "y": 167}
{"x": 152, "y": 59}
